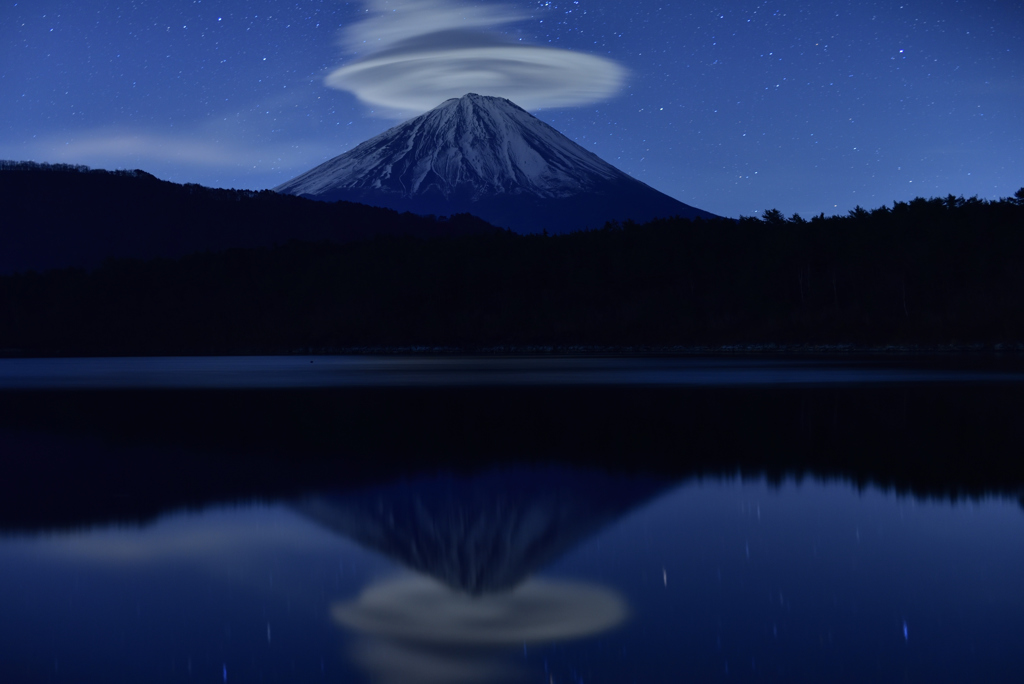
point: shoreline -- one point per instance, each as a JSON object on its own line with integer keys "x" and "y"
{"x": 583, "y": 350}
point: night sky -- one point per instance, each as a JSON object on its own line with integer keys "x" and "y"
{"x": 731, "y": 106}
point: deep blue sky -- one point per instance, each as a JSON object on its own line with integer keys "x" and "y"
{"x": 731, "y": 106}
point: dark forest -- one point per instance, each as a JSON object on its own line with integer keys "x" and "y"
{"x": 59, "y": 215}
{"x": 927, "y": 272}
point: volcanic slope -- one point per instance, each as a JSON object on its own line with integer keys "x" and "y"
{"x": 489, "y": 157}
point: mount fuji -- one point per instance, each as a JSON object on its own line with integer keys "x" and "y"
{"x": 487, "y": 156}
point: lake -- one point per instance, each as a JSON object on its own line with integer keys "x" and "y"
{"x": 411, "y": 519}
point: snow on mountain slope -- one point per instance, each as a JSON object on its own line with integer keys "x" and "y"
{"x": 486, "y": 156}
{"x": 483, "y": 533}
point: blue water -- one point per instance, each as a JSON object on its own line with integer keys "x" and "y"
{"x": 713, "y": 580}
{"x": 439, "y": 520}
{"x": 384, "y": 371}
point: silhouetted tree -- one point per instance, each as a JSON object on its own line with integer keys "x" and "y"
{"x": 773, "y": 217}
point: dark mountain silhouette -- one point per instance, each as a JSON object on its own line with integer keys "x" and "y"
{"x": 55, "y": 216}
{"x": 486, "y": 156}
{"x": 482, "y": 533}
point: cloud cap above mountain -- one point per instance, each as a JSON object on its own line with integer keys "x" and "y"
{"x": 426, "y": 51}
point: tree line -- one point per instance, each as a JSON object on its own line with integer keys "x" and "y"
{"x": 929, "y": 271}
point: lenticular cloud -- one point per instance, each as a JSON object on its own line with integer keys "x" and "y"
{"x": 423, "y": 52}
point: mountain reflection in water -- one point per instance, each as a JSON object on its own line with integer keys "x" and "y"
{"x": 595, "y": 530}
{"x": 483, "y": 533}
{"x": 475, "y": 541}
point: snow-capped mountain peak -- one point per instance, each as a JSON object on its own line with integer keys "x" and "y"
{"x": 487, "y": 145}
{"x": 486, "y": 156}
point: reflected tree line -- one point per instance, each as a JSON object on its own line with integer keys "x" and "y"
{"x": 82, "y": 457}
{"x": 930, "y": 271}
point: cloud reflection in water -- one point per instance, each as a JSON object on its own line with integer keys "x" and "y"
{"x": 419, "y": 630}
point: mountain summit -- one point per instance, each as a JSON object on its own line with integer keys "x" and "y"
{"x": 489, "y": 157}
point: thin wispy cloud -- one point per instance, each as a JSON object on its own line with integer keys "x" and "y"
{"x": 138, "y": 146}
{"x": 154, "y": 150}
{"x": 414, "y": 55}
{"x": 394, "y": 21}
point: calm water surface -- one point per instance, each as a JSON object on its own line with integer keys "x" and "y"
{"x": 712, "y": 580}
{"x": 143, "y": 540}
{"x": 356, "y": 371}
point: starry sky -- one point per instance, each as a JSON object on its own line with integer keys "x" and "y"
{"x": 733, "y": 106}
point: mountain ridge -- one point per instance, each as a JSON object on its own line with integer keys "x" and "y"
{"x": 62, "y": 215}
